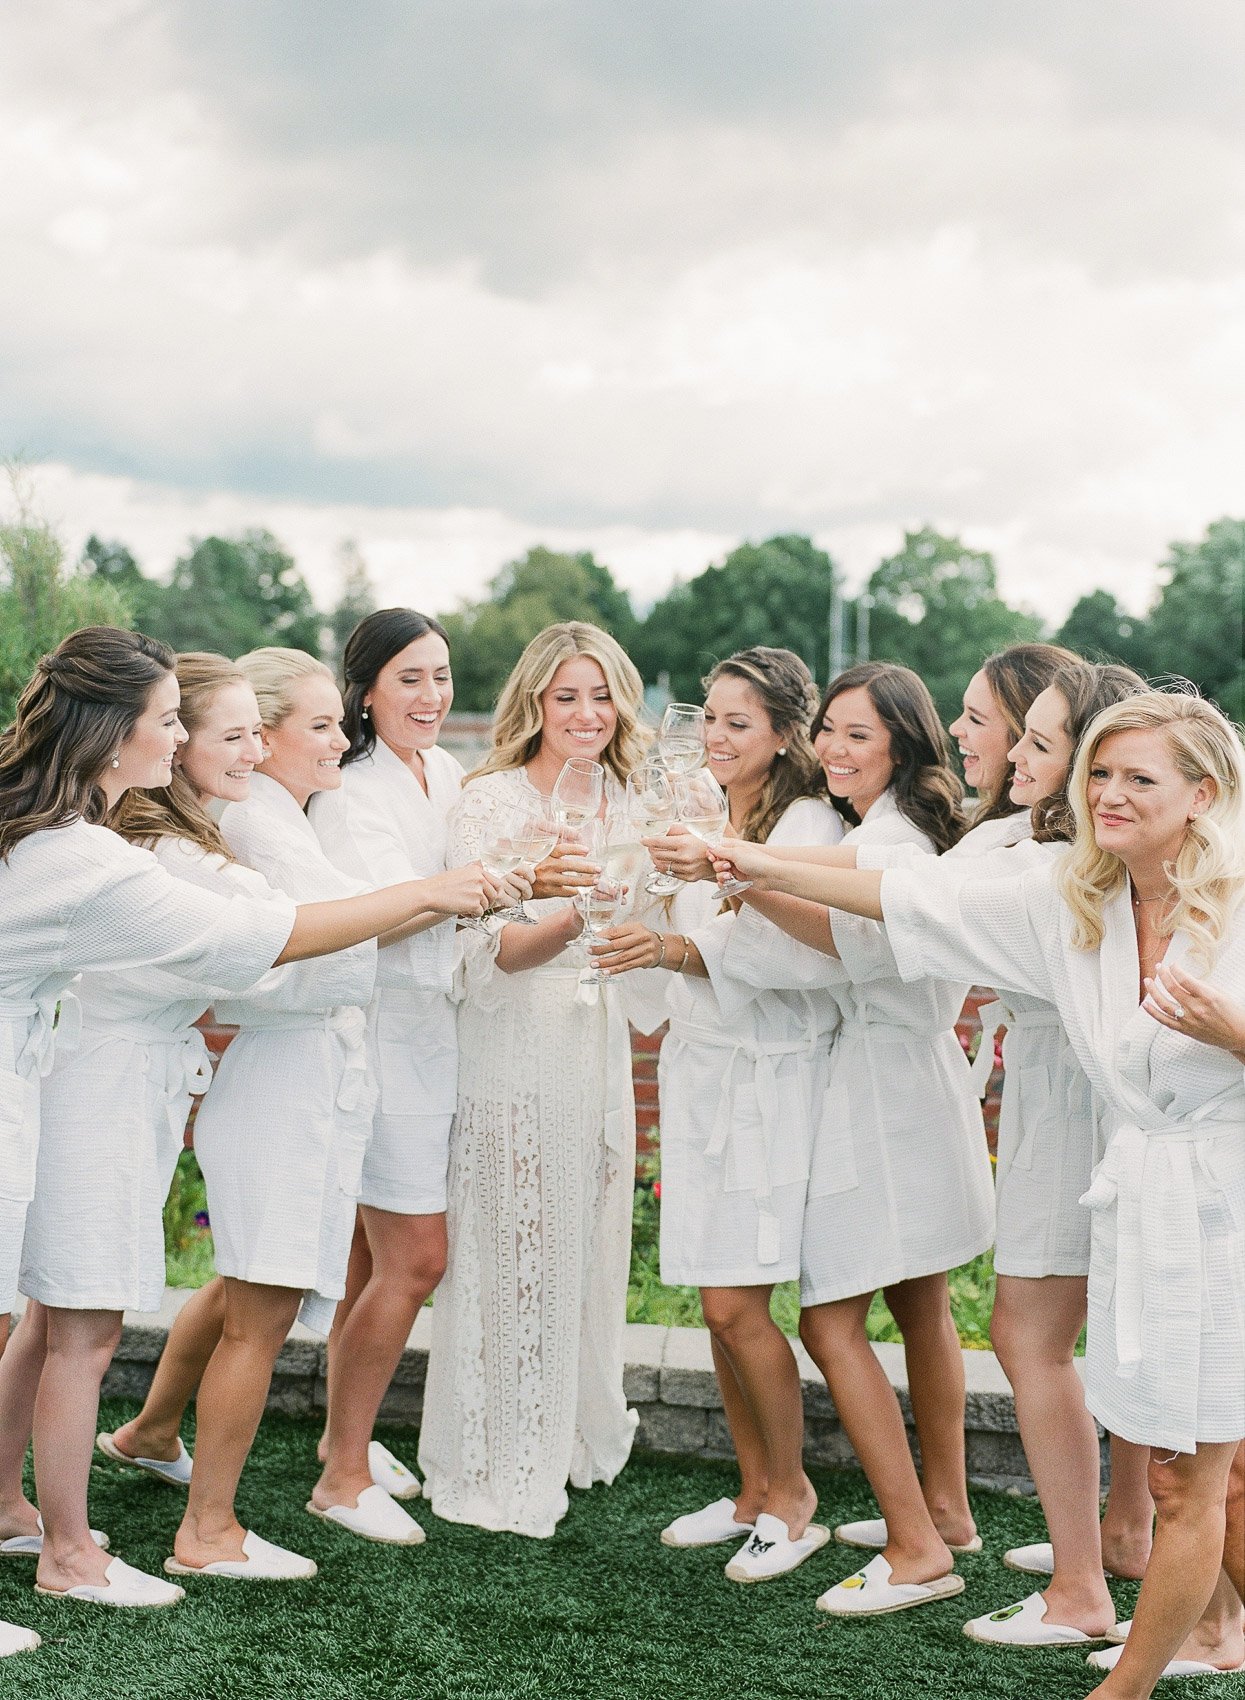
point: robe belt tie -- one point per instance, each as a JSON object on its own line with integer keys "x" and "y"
{"x": 764, "y": 1058}
{"x": 356, "y": 1090}
{"x": 46, "y": 1028}
{"x": 1150, "y": 1211}
{"x": 182, "y": 1055}
{"x": 997, "y": 1016}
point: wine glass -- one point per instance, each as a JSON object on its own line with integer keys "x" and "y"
{"x": 599, "y": 903}
{"x": 704, "y": 811}
{"x": 681, "y": 741}
{"x": 653, "y": 801}
{"x": 623, "y": 856}
{"x": 534, "y": 832}
{"x": 577, "y": 792}
{"x": 499, "y": 856}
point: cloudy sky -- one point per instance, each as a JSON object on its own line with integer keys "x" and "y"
{"x": 451, "y": 277}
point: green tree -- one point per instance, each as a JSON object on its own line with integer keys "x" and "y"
{"x": 236, "y": 594}
{"x": 1100, "y": 630}
{"x": 539, "y": 590}
{"x": 357, "y": 600}
{"x": 41, "y": 600}
{"x": 1197, "y": 626}
{"x": 936, "y": 609}
{"x": 112, "y": 563}
{"x": 777, "y": 592}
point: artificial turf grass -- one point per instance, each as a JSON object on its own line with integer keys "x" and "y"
{"x": 601, "y": 1612}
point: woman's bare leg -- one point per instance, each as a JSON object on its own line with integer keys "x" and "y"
{"x": 760, "y": 1382}
{"x": 1128, "y": 1521}
{"x": 194, "y": 1336}
{"x": 1035, "y": 1328}
{"x": 80, "y": 1345}
{"x": 358, "y": 1274}
{"x": 869, "y": 1411}
{"x": 20, "y": 1368}
{"x": 231, "y": 1402}
{"x": 408, "y": 1259}
{"x": 922, "y": 1311}
{"x": 1189, "y": 1492}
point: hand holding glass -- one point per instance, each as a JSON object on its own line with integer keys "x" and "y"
{"x": 704, "y": 810}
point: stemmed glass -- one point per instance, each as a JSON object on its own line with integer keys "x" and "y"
{"x": 577, "y": 791}
{"x": 653, "y": 801}
{"x": 534, "y": 832}
{"x": 681, "y": 741}
{"x": 704, "y": 811}
{"x": 623, "y": 856}
{"x": 499, "y": 856}
{"x": 599, "y": 903}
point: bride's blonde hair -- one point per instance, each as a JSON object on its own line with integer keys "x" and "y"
{"x": 519, "y": 722}
{"x": 1208, "y": 873}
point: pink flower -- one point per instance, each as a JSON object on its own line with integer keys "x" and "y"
{"x": 657, "y": 1190}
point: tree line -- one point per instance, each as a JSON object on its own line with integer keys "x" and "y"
{"x": 934, "y": 605}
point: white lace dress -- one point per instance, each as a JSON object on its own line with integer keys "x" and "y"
{"x": 525, "y": 1373}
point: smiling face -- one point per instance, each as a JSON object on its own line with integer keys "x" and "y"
{"x": 1140, "y": 802}
{"x": 1043, "y": 755}
{"x": 578, "y": 712}
{"x": 740, "y": 742}
{"x": 226, "y": 745}
{"x": 411, "y": 696}
{"x": 854, "y": 748}
{"x": 304, "y": 752}
{"x": 984, "y": 737}
{"x": 145, "y": 759}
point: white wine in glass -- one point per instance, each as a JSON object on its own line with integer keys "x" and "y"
{"x": 681, "y": 741}
{"x": 705, "y": 811}
{"x": 653, "y": 801}
{"x": 535, "y": 834}
{"x": 578, "y": 791}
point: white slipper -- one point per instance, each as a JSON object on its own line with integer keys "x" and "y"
{"x": 391, "y": 1473}
{"x": 122, "y": 1586}
{"x": 771, "y": 1552}
{"x": 1119, "y": 1634}
{"x": 376, "y": 1517}
{"x": 1109, "y": 1657}
{"x": 870, "y": 1592}
{"x": 1039, "y": 1560}
{"x": 31, "y": 1546}
{"x": 261, "y": 1562}
{"x": 174, "y": 1471}
{"x": 1026, "y": 1625}
{"x": 16, "y": 1640}
{"x": 707, "y": 1527}
{"x": 871, "y": 1534}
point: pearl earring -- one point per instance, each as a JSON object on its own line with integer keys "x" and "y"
{"x": 116, "y": 761}
{"x": 782, "y": 749}
{"x": 367, "y": 713}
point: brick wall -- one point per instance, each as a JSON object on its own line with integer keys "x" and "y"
{"x": 644, "y": 1049}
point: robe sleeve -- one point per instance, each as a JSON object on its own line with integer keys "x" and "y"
{"x": 996, "y": 932}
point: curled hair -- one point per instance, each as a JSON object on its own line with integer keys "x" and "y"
{"x": 1208, "y": 874}
{"x": 519, "y": 722}
{"x": 926, "y": 788}
{"x": 80, "y": 706}
{"x": 1016, "y": 675}
{"x": 1087, "y": 687}
{"x": 784, "y": 685}
{"x": 371, "y": 646}
{"x": 273, "y": 673}
{"x": 175, "y": 810}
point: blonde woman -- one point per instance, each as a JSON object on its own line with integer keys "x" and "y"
{"x": 1137, "y": 936}
{"x": 525, "y": 1375}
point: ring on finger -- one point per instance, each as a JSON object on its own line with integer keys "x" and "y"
{"x": 1177, "y": 1012}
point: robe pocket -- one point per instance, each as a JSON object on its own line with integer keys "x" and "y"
{"x": 745, "y": 1166}
{"x": 352, "y": 1143}
{"x": 19, "y": 1137}
{"x": 1033, "y": 1107}
{"x": 418, "y": 1077}
{"x": 833, "y": 1166}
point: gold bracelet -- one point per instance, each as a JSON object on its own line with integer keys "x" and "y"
{"x": 661, "y": 955}
{"x": 687, "y": 951}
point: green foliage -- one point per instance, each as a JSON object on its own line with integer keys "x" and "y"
{"x": 42, "y": 601}
{"x": 236, "y": 594}
{"x": 1197, "y": 626}
{"x": 541, "y": 589}
{"x": 777, "y": 592}
{"x": 1100, "y": 630}
{"x": 187, "y": 1241}
{"x": 936, "y": 609}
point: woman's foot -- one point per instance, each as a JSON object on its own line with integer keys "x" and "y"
{"x": 1125, "y": 1556}
{"x": 19, "y": 1519}
{"x": 794, "y": 1508}
{"x": 71, "y": 1564}
{"x": 197, "y": 1544}
{"x": 137, "y": 1441}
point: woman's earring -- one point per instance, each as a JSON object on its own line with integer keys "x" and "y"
{"x": 366, "y": 714}
{"x": 116, "y": 760}
{"x": 782, "y": 749}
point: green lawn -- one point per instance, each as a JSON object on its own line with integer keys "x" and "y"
{"x": 189, "y": 1264}
{"x": 602, "y": 1610}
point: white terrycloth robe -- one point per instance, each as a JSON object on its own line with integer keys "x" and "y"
{"x": 73, "y": 898}
{"x": 382, "y": 828}
{"x": 742, "y": 1075}
{"x": 526, "y": 1364}
{"x": 900, "y": 1183}
{"x": 281, "y": 1137}
{"x": 1049, "y": 1133}
{"x": 1165, "y": 1360}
